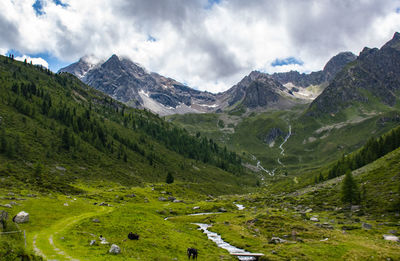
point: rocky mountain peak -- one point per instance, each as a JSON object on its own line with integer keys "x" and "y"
{"x": 337, "y": 62}
{"x": 394, "y": 42}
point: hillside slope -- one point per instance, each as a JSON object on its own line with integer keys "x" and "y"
{"x": 56, "y": 131}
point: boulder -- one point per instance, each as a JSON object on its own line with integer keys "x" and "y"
{"x": 7, "y": 206}
{"x": 66, "y": 204}
{"x": 391, "y": 238}
{"x": 326, "y": 225}
{"x": 222, "y": 210}
{"x": 171, "y": 198}
{"x": 95, "y": 220}
{"x": 103, "y": 204}
{"x": 314, "y": 219}
{"x": 197, "y": 207}
{"x": 114, "y": 249}
{"x": 92, "y": 242}
{"x": 21, "y": 217}
{"x": 276, "y": 240}
{"x": 162, "y": 199}
{"x": 366, "y": 226}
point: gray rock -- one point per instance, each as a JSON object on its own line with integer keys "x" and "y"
{"x": 326, "y": 225}
{"x": 13, "y": 203}
{"x": 92, "y": 242}
{"x": 222, "y": 210}
{"x": 103, "y": 204}
{"x": 392, "y": 231}
{"x": 7, "y": 206}
{"x": 162, "y": 199}
{"x": 95, "y": 220}
{"x": 197, "y": 207}
{"x": 276, "y": 240}
{"x": 177, "y": 201}
{"x": 314, "y": 219}
{"x": 366, "y": 226}
{"x": 21, "y": 217}
{"x": 391, "y": 238}
{"x": 114, "y": 249}
{"x": 171, "y": 198}
{"x": 355, "y": 208}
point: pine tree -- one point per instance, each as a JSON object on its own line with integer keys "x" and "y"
{"x": 170, "y": 178}
{"x": 350, "y": 192}
{"x": 66, "y": 139}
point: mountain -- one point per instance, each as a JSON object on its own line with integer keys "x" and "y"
{"x": 132, "y": 84}
{"x": 332, "y": 67}
{"x": 372, "y": 81}
{"x": 258, "y": 90}
{"x": 55, "y": 132}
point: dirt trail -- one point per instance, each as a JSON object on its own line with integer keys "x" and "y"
{"x": 43, "y": 241}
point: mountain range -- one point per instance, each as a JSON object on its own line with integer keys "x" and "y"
{"x": 133, "y": 85}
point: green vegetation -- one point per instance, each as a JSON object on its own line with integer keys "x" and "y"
{"x": 83, "y": 165}
{"x": 350, "y": 193}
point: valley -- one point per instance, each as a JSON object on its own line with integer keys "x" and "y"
{"x": 289, "y": 166}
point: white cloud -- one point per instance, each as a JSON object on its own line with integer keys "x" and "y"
{"x": 207, "y": 48}
{"x": 35, "y": 61}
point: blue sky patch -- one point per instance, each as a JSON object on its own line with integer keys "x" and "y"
{"x": 398, "y": 10}
{"x": 211, "y": 3}
{"x": 286, "y": 61}
{"x": 151, "y": 38}
{"x": 54, "y": 63}
{"x": 38, "y": 7}
{"x": 58, "y": 2}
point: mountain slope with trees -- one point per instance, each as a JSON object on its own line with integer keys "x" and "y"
{"x": 55, "y": 130}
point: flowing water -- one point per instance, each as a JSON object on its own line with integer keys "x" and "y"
{"x": 221, "y": 243}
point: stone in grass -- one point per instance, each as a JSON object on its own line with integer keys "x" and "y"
{"x": 95, "y": 220}
{"x": 162, "y": 199}
{"x": 114, "y": 249}
{"x": 222, "y": 210}
{"x": 92, "y": 242}
{"x": 315, "y": 219}
{"x": 66, "y": 204}
{"x": 7, "y": 206}
{"x": 392, "y": 231}
{"x": 366, "y": 226}
{"x": 391, "y": 238}
{"x": 196, "y": 207}
{"x": 21, "y": 217}
{"x": 276, "y": 240}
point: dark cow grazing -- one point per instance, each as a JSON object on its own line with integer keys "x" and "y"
{"x": 132, "y": 236}
{"x": 192, "y": 252}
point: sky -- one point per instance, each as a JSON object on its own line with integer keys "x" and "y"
{"x": 207, "y": 44}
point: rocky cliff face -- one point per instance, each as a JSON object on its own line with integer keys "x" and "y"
{"x": 255, "y": 91}
{"x": 130, "y": 83}
{"x": 374, "y": 75}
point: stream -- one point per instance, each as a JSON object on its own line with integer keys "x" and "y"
{"x": 217, "y": 238}
{"x": 221, "y": 243}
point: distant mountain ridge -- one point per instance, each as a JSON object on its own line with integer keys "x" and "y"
{"x": 332, "y": 67}
{"x": 132, "y": 84}
{"x": 372, "y": 80}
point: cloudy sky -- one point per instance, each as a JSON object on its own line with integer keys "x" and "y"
{"x": 206, "y": 44}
